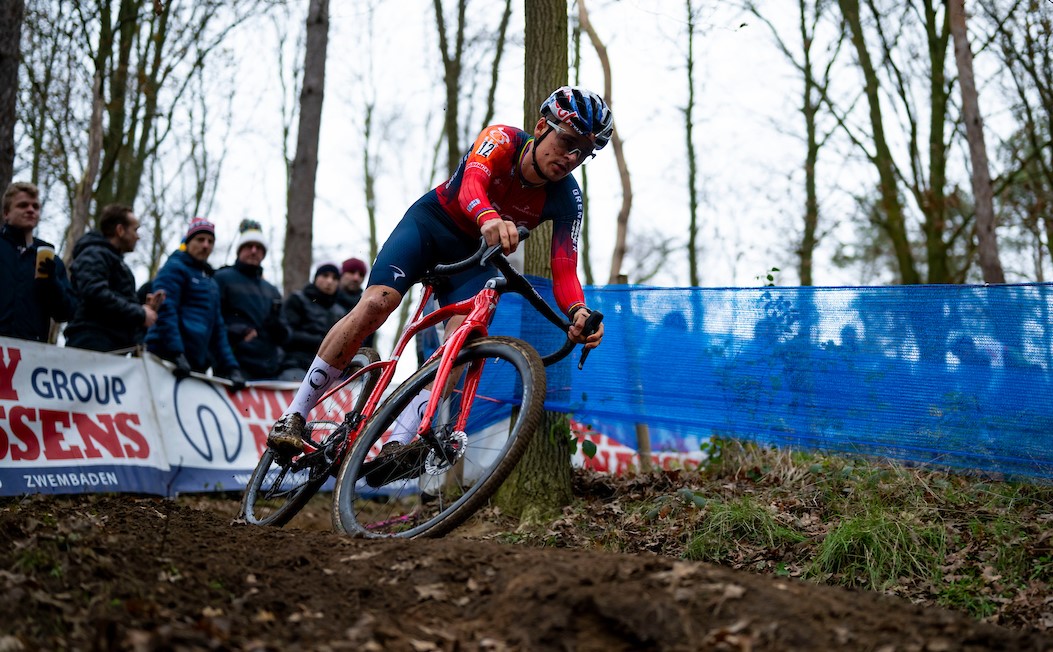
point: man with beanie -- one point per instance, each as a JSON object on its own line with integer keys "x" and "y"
{"x": 252, "y": 307}
{"x": 35, "y": 288}
{"x": 190, "y": 331}
{"x": 352, "y": 275}
{"x": 110, "y": 317}
{"x": 311, "y": 312}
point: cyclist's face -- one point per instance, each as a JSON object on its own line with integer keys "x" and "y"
{"x": 560, "y": 151}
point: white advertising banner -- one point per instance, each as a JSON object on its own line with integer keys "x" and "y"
{"x": 74, "y": 421}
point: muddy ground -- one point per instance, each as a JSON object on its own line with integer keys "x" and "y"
{"x": 132, "y": 573}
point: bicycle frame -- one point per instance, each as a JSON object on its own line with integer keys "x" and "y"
{"x": 478, "y": 311}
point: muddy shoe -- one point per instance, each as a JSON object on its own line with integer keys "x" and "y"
{"x": 396, "y": 462}
{"x": 287, "y": 434}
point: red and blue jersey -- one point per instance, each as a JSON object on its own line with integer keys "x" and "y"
{"x": 488, "y": 185}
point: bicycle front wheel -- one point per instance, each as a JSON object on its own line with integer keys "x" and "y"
{"x": 433, "y": 484}
{"x": 282, "y": 484}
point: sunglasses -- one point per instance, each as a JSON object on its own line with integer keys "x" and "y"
{"x": 572, "y": 143}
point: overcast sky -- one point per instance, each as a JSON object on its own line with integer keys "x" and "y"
{"x": 743, "y": 89}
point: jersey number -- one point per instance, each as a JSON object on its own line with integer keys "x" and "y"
{"x": 485, "y": 148}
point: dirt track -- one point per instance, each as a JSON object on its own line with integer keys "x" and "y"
{"x": 142, "y": 574}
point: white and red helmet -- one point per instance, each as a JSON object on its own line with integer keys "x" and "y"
{"x": 583, "y": 110}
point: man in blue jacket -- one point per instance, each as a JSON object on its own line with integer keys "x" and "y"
{"x": 110, "y": 316}
{"x": 34, "y": 288}
{"x": 252, "y": 307}
{"x": 190, "y": 331}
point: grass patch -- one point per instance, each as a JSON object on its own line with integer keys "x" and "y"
{"x": 969, "y": 594}
{"x": 976, "y": 544}
{"x": 742, "y": 522}
{"x": 874, "y": 550}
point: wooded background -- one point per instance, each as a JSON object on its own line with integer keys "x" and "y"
{"x": 910, "y": 142}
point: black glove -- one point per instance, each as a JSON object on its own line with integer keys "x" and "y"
{"x": 237, "y": 379}
{"x": 182, "y": 366}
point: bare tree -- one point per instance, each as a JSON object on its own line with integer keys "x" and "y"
{"x": 584, "y": 248}
{"x": 1023, "y": 34}
{"x": 692, "y": 157}
{"x": 451, "y": 64}
{"x": 893, "y": 219}
{"x": 815, "y": 77}
{"x": 540, "y": 484}
{"x": 460, "y": 126}
{"x": 11, "y": 14}
{"x": 983, "y": 194}
{"x": 299, "y": 227}
{"x": 499, "y": 48}
{"x": 148, "y": 56}
{"x": 622, "y": 228}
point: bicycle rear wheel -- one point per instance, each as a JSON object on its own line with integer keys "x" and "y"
{"x": 426, "y": 490}
{"x": 282, "y": 484}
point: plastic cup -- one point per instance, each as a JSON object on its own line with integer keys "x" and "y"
{"x": 44, "y": 252}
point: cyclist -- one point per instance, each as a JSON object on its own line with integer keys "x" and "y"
{"x": 508, "y": 178}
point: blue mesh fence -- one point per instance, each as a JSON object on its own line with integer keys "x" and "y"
{"x": 953, "y": 375}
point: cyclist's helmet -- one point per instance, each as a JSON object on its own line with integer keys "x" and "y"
{"x": 583, "y": 110}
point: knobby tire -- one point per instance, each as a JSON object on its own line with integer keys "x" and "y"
{"x": 433, "y": 490}
{"x": 274, "y": 493}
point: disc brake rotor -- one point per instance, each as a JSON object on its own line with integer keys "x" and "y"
{"x": 454, "y": 446}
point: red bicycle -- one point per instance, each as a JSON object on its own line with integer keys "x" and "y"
{"x": 485, "y": 399}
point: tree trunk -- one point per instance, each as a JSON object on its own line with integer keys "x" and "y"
{"x": 692, "y": 157}
{"x": 622, "y": 232}
{"x": 299, "y": 228}
{"x": 540, "y": 485}
{"x": 11, "y": 15}
{"x": 584, "y": 250}
{"x": 82, "y": 198}
{"x": 990, "y": 264}
{"x": 934, "y": 201}
{"x": 893, "y": 220}
{"x": 810, "y": 110}
{"x": 451, "y": 65}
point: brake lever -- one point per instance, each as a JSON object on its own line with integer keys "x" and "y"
{"x": 592, "y": 324}
{"x": 492, "y": 250}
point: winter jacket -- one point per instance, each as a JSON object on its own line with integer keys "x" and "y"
{"x": 28, "y": 304}
{"x": 189, "y": 321}
{"x": 310, "y": 313}
{"x": 249, "y": 302}
{"x": 110, "y": 316}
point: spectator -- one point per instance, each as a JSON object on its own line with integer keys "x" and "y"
{"x": 190, "y": 331}
{"x": 311, "y": 312}
{"x": 352, "y": 274}
{"x": 34, "y": 288}
{"x": 110, "y": 316}
{"x": 252, "y": 307}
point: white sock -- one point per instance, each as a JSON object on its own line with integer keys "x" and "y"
{"x": 406, "y": 424}
{"x": 320, "y": 377}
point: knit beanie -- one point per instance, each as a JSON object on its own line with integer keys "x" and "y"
{"x": 327, "y": 268}
{"x": 353, "y": 265}
{"x": 250, "y": 231}
{"x": 199, "y": 225}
